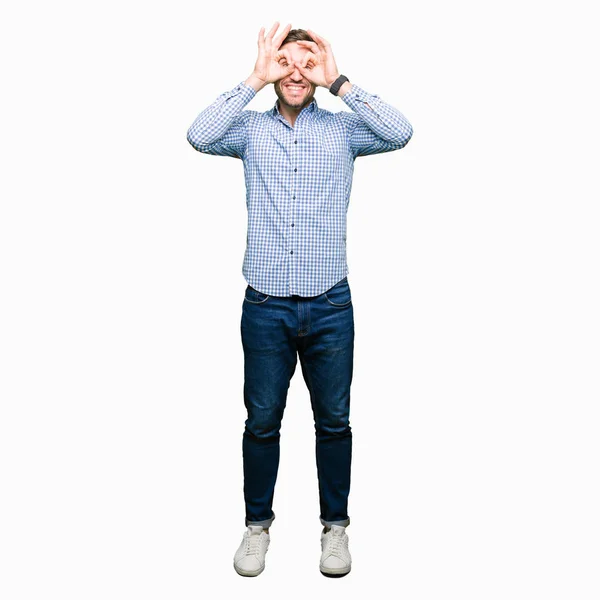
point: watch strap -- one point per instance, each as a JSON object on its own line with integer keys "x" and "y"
{"x": 337, "y": 84}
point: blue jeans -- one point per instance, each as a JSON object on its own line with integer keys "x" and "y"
{"x": 319, "y": 329}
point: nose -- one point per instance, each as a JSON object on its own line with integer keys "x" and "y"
{"x": 296, "y": 75}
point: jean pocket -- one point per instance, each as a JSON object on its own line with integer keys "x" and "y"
{"x": 339, "y": 295}
{"x": 254, "y": 296}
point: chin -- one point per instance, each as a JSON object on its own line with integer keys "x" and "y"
{"x": 296, "y": 99}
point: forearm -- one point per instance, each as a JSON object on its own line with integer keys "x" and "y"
{"x": 255, "y": 82}
{"x": 346, "y": 87}
{"x": 214, "y": 121}
{"x": 384, "y": 120}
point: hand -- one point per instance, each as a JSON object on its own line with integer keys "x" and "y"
{"x": 318, "y": 65}
{"x": 267, "y": 67}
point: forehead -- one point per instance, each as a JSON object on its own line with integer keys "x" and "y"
{"x": 297, "y": 52}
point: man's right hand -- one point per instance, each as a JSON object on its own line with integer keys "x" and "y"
{"x": 272, "y": 64}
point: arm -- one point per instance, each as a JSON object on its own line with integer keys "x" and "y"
{"x": 374, "y": 126}
{"x": 221, "y": 128}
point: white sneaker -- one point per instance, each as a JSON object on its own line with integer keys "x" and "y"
{"x": 335, "y": 556}
{"x": 249, "y": 560}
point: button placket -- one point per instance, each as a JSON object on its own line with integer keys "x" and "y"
{"x": 291, "y": 212}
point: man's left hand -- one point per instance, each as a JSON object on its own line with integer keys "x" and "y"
{"x": 318, "y": 65}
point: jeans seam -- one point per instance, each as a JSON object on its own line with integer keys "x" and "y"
{"x": 336, "y": 304}
{"x": 252, "y": 301}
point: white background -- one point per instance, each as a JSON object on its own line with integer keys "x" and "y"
{"x": 473, "y": 256}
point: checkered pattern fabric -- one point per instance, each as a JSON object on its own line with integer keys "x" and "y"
{"x": 298, "y": 180}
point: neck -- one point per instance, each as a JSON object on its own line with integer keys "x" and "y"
{"x": 290, "y": 113}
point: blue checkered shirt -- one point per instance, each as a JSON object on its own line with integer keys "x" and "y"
{"x": 298, "y": 180}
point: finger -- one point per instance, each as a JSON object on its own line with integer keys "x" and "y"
{"x": 271, "y": 33}
{"x": 309, "y": 56}
{"x": 303, "y": 68}
{"x": 269, "y": 38}
{"x": 261, "y": 39}
{"x": 304, "y": 72}
{"x": 318, "y": 38}
{"x": 322, "y": 42}
{"x": 300, "y": 68}
{"x": 285, "y": 55}
{"x": 277, "y": 41}
{"x": 312, "y": 45}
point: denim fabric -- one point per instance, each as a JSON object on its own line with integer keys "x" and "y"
{"x": 275, "y": 331}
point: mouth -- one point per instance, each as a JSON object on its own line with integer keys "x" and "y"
{"x": 296, "y": 89}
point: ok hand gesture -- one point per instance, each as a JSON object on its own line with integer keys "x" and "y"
{"x": 318, "y": 65}
{"x": 268, "y": 68}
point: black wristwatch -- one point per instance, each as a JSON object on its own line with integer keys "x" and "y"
{"x": 337, "y": 84}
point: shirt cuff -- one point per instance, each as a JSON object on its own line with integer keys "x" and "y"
{"x": 247, "y": 92}
{"x": 355, "y": 93}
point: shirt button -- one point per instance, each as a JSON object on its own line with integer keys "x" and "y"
{"x": 295, "y": 170}
{"x": 295, "y": 141}
{"x": 291, "y": 252}
{"x": 292, "y": 224}
{"x": 293, "y": 197}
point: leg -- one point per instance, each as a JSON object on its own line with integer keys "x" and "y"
{"x": 326, "y": 357}
{"x": 269, "y": 364}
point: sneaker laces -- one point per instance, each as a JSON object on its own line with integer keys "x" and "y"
{"x": 253, "y": 543}
{"x": 335, "y": 543}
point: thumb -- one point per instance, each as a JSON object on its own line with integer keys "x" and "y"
{"x": 300, "y": 68}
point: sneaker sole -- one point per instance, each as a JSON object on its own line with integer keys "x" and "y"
{"x": 336, "y": 572}
{"x": 244, "y": 573}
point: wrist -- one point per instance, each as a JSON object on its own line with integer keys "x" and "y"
{"x": 329, "y": 83}
{"x": 255, "y": 82}
{"x": 346, "y": 87}
{"x": 335, "y": 86}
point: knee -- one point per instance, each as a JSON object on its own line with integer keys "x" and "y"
{"x": 334, "y": 427}
{"x": 263, "y": 429}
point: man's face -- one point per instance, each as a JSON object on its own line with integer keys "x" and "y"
{"x": 302, "y": 94}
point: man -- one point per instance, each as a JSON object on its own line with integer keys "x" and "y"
{"x": 298, "y": 164}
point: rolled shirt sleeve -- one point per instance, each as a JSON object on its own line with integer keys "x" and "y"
{"x": 221, "y": 128}
{"x": 374, "y": 126}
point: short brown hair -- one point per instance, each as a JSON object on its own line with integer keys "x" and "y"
{"x": 295, "y": 35}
